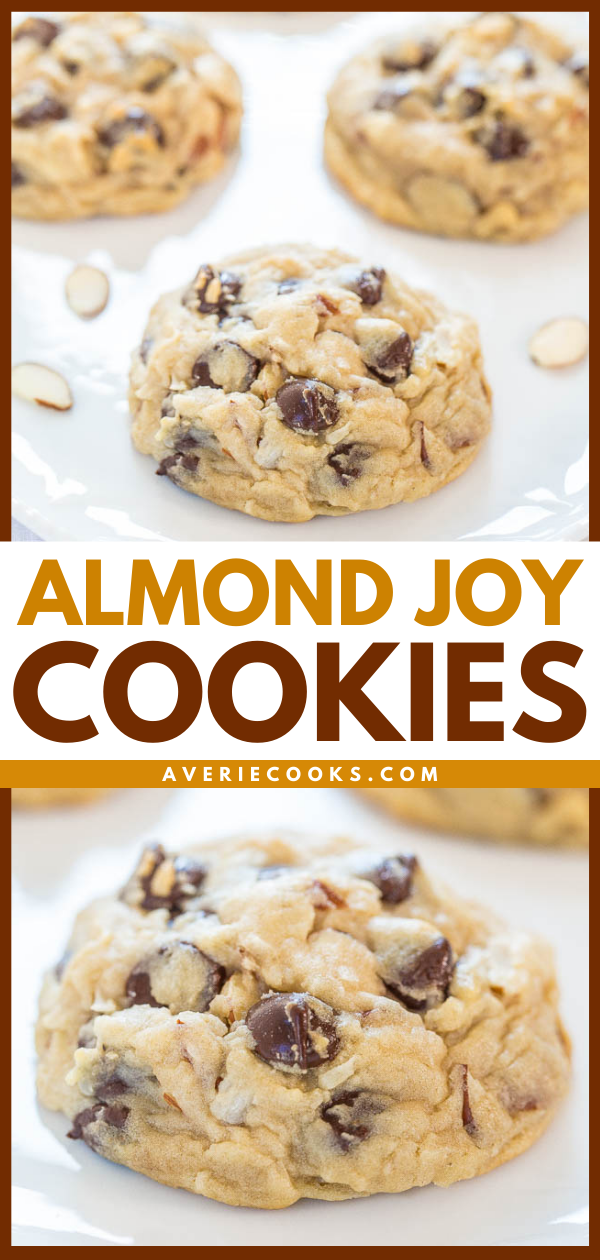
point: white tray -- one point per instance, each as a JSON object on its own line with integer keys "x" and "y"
{"x": 65, "y": 1195}
{"x": 77, "y": 476}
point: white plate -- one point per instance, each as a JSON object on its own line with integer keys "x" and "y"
{"x": 67, "y": 1195}
{"x": 76, "y": 475}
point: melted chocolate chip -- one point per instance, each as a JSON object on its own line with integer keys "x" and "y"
{"x": 395, "y": 360}
{"x": 307, "y": 406}
{"x": 46, "y": 109}
{"x": 579, "y": 65}
{"x": 393, "y": 877}
{"x": 213, "y": 292}
{"x": 112, "y": 1087}
{"x": 115, "y": 1115}
{"x": 179, "y": 976}
{"x": 467, "y": 1115}
{"x": 17, "y": 178}
{"x": 135, "y": 121}
{"x": 348, "y": 460}
{"x": 293, "y": 1029}
{"x": 368, "y": 285}
{"x": 185, "y": 874}
{"x": 425, "y": 982}
{"x": 504, "y": 142}
{"x": 416, "y": 57}
{"x": 226, "y": 366}
{"x": 347, "y": 1114}
{"x": 171, "y": 463}
{"x": 37, "y": 28}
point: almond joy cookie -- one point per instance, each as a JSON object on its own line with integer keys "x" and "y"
{"x": 115, "y": 113}
{"x": 550, "y": 816}
{"x": 479, "y": 130}
{"x": 265, "y": 1020}
{"x": 293, "y": 382}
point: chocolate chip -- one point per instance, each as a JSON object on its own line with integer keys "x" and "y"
{"x": 504, "y": 142}
{"x": 226, "y": 366}
{"x": 411, "y": 57}
{"x": 138, "y": 988}
{"x": 135, "y": 121}
{"x": 347, "y": 1113}
{"x": 286, "y": 286}
{"x": 112, "y": 1087}
{"x": 71, "y": 67}
{"x": 151, "y": 888}
{"x": 115, "y": 1115}
{"x": 213, "y": 292}
{"x": 145, "y": 348}
{"x": 395, "y": 359}
{"x": 45, "y": 109}
{"x": 178, "y": 976}
{"x": 17, "y": 178}
{"x": 393, "y": 877}
{"x": 425, "y": 981}
{"x": 347, "y": 460}
{"x": 467, "y": 1115}
{"x": 392, "y": 97}
{"x": 171, "y": 463}
{"x": 471, "y": 101}
{"x": 579, "y": 65}
{"x": 37, "y": 28}
{"x": 368, "y": 285}
{"x": 307, "y": 406}
{"x": 293, "y": 1029}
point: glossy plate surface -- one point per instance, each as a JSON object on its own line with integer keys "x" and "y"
{"x": 65, "y": 1195}
{"x": 76, "y": 474}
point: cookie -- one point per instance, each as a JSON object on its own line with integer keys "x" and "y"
{"x": 293, "y": 382}
{"x": 115, "y": 113}
{"x": 480, "y": 130}
{"x": 31, "y": 798}
{"x": 551, "y": 816}
{"x": 265, "y": 1020}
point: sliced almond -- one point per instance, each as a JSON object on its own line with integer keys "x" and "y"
{"x": 41, "y": 385}
{"x": 87, "y": 291}
{"x": 560, "y": 343}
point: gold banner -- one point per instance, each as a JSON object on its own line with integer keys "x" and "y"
{"x": 318, "y": 774}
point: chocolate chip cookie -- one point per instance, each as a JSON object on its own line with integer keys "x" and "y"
{"x": 551, "y": 816}
{"x": 478, "y": 130}
{"x": 115, "y": 113}
{"x": 265, "y": 1020}
{"x": 293, "y": 382}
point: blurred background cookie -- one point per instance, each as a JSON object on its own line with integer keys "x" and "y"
{"x": 114, "y": 113}
{"x": 553, "y": 816}
{"x": 32, "y": 798}
{"x": 478, "y": 130}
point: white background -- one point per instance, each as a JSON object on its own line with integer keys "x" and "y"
{"x": 70, "y": 691}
